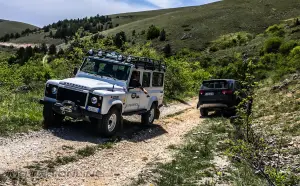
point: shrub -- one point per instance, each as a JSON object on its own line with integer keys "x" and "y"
{"x": 52, "y": 50}
{"x": 273, "y": 28}
{"x": 295, "y": 51}
{"x": 162, "y": 36}
{"x": 231, "y": 40}
{"x": 167, "y": 50}
{"x": 153, "y": 32}
{"x": 120, "y": 39}
{"x": 285, "y": 48}
{"x": 272, "y": 45}
{"x": 276, "y": 30}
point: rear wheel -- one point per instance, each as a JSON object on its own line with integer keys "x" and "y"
{"x": 51, "y": 118}
{"x": 203, "y": 112}
{"x": 109, "y": 124}
{"x": 149, "y": 116}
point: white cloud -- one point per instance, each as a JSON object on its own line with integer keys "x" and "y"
{"x": 42, "y": 12}
{"x": 166, "y": 3}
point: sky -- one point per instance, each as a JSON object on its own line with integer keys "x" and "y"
{"x": 44, "y": 12}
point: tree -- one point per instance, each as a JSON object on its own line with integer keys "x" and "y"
{"x": 162, "y": 36}
{"x": 133, "y": 32}
{"x": 61, "y": 52}
{"x": 28, "y": 54}
{"x": 36, "y": 49}
{"x": 153, "y": 32}
{"x": 51, "y": 34}
{"x": 167, "y": 50}
{"x": 44, "y": 48}
{"x": 120, "y": 39}
{"x": 52, "y": 50}
{"x": 17, "y": 35}
{"x": 12, "y": 35}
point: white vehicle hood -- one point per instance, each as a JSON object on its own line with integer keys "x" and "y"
{"x": 89, "y": 84}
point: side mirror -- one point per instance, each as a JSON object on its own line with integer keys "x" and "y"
{"x": 75, "y": 71}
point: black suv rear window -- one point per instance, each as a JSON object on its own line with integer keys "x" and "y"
{"x": 216, "y": 85}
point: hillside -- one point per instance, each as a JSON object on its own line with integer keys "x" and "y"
{"x": 7, "y": 27}
{"x": 202, "y": 24}
{"x": 193, "y": 27}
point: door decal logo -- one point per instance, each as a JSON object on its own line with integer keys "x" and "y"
{"x": 133, "y": 95}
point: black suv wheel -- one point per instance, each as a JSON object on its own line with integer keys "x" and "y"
{"x": 203, "y": 112}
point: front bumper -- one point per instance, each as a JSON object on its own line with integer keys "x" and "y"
{"x": 71, "y": 110}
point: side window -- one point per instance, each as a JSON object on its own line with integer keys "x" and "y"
{"x": 157, "y": 79}
{"x": 135, "y": 79}
{"x": 146, "y": 79}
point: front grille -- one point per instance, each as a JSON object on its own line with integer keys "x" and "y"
{"x": 78, "y": 98}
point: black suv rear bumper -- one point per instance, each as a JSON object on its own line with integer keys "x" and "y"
{"x": 72, "y": 111}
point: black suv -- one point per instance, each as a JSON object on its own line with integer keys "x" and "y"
{"x": 219, "y": 95}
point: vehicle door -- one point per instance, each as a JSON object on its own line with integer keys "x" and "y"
{"x": 133, "y": 97}
{"x": 158, "y": 86}
{"x": 146, "y": 83}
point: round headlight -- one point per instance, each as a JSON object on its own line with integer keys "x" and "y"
{"x": 54, "y": 90}
{"x": 94, "y": 100}
{"x": 100, "y": 53}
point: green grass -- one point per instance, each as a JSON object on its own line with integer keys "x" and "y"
{"x": 208, "y": 22}
{"x": 7, "y": 27}
{"x": 39, "y": 37}
{"x": 20, "y": 112}
{"x": 193, "y": 162}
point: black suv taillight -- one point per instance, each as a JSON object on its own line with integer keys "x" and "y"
{"x": 226, "y": 92}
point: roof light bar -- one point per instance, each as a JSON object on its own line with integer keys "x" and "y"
{"x": 145, "y": 62}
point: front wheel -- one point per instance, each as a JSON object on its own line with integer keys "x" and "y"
{"x": 51, "y": 118}
{"x": 149, "y": 116}
{"x": 109, "y": 124}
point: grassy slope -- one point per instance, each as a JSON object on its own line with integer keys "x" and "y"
{"x": 39, "y": 37}
{"x": 207, "y": 22}
{"x": 203, "y": 159}
{"x": 13, "y": 27}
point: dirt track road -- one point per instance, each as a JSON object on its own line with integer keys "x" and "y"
{"x": 118, "y": 165}
{"x": 17, "y": 45}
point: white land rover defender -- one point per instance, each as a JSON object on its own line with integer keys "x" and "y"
{"x": 101, "y": 93}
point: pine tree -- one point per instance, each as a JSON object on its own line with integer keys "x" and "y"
{"x": 52, "y": 50}
{"x": 162, "y": 36}
{"x": 167, "y": 50}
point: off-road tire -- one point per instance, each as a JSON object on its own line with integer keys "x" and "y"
{"x": 109, "y": 124}
{"x": 149, "y": 117}
{"x": 51, "y": 118}
{"x": 203, "y": 112}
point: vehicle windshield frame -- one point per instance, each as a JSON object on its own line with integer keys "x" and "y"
{"x": 103, "y": 73}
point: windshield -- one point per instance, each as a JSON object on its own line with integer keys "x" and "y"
{"x": 107, "y": 69}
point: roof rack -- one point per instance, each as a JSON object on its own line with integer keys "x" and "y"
{"x": 139, "y": 62}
